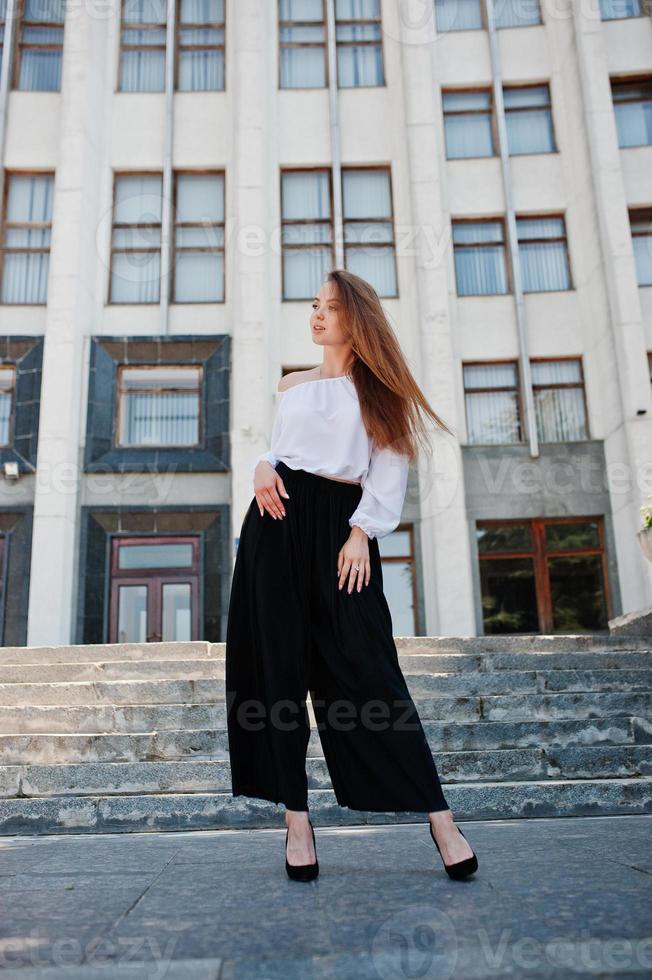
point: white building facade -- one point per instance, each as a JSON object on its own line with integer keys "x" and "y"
{"x": 178, "y": 176}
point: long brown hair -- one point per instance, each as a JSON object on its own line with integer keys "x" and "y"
{"x": 389, "y": 396}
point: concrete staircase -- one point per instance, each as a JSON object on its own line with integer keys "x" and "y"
{"x": 132, "y": 737}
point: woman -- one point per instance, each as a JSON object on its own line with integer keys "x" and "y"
{"x": 307, "y": 610}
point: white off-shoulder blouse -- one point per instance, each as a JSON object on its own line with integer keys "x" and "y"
{"x": 318, "y": 427}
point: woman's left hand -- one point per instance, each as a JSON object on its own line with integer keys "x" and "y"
{"x": 353, "y": 560}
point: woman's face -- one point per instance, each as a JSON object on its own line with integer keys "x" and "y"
{"x": 325, "y": 317}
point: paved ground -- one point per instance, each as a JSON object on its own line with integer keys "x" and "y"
{"x": 551, "y": 898}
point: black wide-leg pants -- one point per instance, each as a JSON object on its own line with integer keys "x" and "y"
{"x": 291, "y": 630}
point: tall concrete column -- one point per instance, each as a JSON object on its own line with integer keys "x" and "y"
{"x": 70, "y": 306}
{"x": 628, "y": 441}
{"x": 253, "y": 191}
{"x": 447, "y": 573}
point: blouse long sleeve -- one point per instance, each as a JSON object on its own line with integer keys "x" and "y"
{"x": 383, "y": 493}
{"x": 270, "y": 455}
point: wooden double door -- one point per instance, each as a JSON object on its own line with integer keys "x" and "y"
{"x": 154, "y": 593}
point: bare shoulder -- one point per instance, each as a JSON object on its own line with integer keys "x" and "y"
{"x": 296, "y": 378}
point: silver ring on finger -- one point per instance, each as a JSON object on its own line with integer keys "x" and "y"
{"x": 357, "y": 568}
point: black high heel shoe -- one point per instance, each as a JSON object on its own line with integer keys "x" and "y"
{"x": 459, "y": 869}
{"x": 302, "y": 872}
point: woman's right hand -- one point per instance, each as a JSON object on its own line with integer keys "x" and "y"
{"x": 268, "y": 485}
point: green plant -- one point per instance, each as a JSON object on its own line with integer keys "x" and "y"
{"x": 647, "y": 512}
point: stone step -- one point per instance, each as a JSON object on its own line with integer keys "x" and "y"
{"x": 202, "y": 689}
{"x": 106, "y": 717}
{"x": 414, "y": 663}
{"x": 529, "y": 681}
{"x": 468, "y": 645}
{"x": 567, "y": 660}
{"x": 210, "y": 776}
{"x": 207, "y": 811}
{"x": 129, "y": 737}
{"x": 212, "y": 743}
{"x": 103, "y": 652}
{"x": 215, "y": 667}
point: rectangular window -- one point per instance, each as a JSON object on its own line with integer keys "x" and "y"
{"x": 26, "y": 235}
{"x": 303, "y": 52}
{"x": 307, "y": 231}
{"x": 544, "y": 253}
{"x": 492, "y": 401}
{"x": 558, "y": 389}
{"x": 492, "y": 404}
{"x": 200, "y": 44}
{"x": 479, "y": 250}
{"x": 528, "y": 119}
{"x": 369, "y": 227}
{"x": 39, "y": 46}
{"x": 147, "y": 555}
{"x": 517, "y": 13}
{"x": 136, "y": 239}
{"x": 633, "y": 110}
{"x": 199, "y": 238}
{"x": 399, "y": 579}
{"x": 467, "y": 124}
{"x": 142, "y": 46}
{"x": 641, "y": 225}
{"x": 7, "y": 392}
{"x": 159, "y": 406}
{"x": 617, "y": 9}
{"x": 507, "y": 577}
{"x": 302, "y": 44}
{"x": 544, "y": 575}
{"x": 458, "y": 15}
{"x": 359, "y": 43}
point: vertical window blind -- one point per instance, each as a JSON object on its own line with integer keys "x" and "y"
{"x": 359, "y": 43}
{"x": 200, "y": 32}
{"x": 142, "y": 48}
{"x": 543, "y": 252}
{"x": 159, "y": 406}
{"x": 27, "y": 229}
{"x": 559, "y": 400}
{"x": 368, "y": 228}
{"x": 40, "y": 45}
{"x": 199, "y": 238}
{"x": 491, "y": 399}
{"x": 302, "y": 41}
{"x": 136, "y": 239}
{"x": 307, "y": 232}
{"x": 479, "y": 252}
{"x": 467, "y": 124}
{"x": 528, "y": 119}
